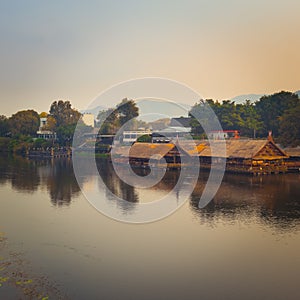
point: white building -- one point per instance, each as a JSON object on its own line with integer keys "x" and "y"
{"x": 42, "y": 133}
{"x": 88, "y": 119}
{"x": 130, "y": 137}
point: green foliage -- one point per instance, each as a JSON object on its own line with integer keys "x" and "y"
{"x": 289, "y": 127}
{"x": 63, "y": 120}
{"x": 278, "y": 112}
{"x": 271, "y": 108}
{"x": 63, "y": 113}
{"x": 25, "y": 122}
{"x": 114, "y": 118}
{"x": 250, "y": 121}
{"x": 202, "y": 111}
{"x": 146, "y": 138}
{"x": 127, "y": 110}
{"x": 42, "y": 143}
{"x": 109, "y": 121}
{"x": 65, "y": 134}
{"x": 81, "y": 129}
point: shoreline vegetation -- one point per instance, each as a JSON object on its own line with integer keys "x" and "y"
{"x": 277, "y": 113}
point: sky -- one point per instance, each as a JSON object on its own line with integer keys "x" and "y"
{"x": 73, "y": 50}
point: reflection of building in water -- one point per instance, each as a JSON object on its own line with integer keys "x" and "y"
{"x": 131, "y": 194}
{"x": 263, "y": 198}
{"x": 114, "y": 184}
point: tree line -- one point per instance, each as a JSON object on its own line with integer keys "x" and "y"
{"x": 278, "y": 113}
{"x": 20, "y": 130}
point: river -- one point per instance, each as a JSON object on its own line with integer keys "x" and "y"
{"x": 55, "y": 245}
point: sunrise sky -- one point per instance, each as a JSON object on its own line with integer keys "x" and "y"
{"x": 75, "y": 49}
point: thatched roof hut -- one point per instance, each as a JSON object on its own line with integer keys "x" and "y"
{"x": 245, "y": 149}
{"x": 293, "y": 152}
{"x": 150, "y": 150}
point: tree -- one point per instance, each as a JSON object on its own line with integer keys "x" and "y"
{"x": 202, "y": 111}
{"x": 25, "y": 122}
{"x": 250, "y": 119}
{"x": 4, "y": 126}
{"x": 272, "y": 107}
{"x": 229, "y": 116}
{"x": 63, "y": 119}
{"x": 289, "y": 127}
{"x": 81, "y": 129}
{"x": 127, "y": 110}
{"x": 63, "y": 113}
{"x": 114, "y": 118}
{"x": 108, "y": 119}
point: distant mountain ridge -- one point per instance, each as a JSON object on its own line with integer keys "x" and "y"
{"x": 150, "y": 110}
{"x": 242, "y": 98}
{"x": 153, "y": 110}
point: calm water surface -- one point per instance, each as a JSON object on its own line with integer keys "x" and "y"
{"x": 244, "y": 245}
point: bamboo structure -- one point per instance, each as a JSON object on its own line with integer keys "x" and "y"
{"x": 241, "y": 156}
{"x": 293, "y": 162}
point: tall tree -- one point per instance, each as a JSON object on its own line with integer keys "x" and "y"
{"x": 200, "y": 111}
{"x": 108, "y": 119}
{"x": 250, "y": 119}
{"x": 114, "y": 118}
{"x": 127, "y": 111}
{"x": 289, "y": 127}
{"x": 63, "y": 113}
{"x": 25, "y": 122}
{"x": 63, "y": 118}
{"x": 229, "y": 116}
{"x": 272, "y": 107}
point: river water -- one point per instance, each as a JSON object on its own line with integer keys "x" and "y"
{"x": 244, "y": 245}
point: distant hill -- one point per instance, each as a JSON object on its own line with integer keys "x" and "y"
{"x": 159, "y": 124}
{"x": 93, "y": 111}
{"x": 151, "y": 110}
{"x": 163, "y": 109}
{"x": 242, "y": 98}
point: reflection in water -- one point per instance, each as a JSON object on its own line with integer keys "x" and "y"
{"x": 273, "y": 200}
{"x": 114, "y": 184}
{"x": 89, "y": 255}
{"x": 61, "y": 182}
{"x": 26, "y": 175}
{"x": 21, "y": 173}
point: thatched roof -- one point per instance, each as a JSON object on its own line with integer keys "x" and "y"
{"x": 150, "y": 150}
{"x": 191, "y": 147}
{"x": 258, "y": 149}
{"x": 293, "y": 151}
{"x": 244, "y": 149}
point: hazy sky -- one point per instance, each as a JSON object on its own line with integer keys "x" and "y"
{"x": 74, "y": 49}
